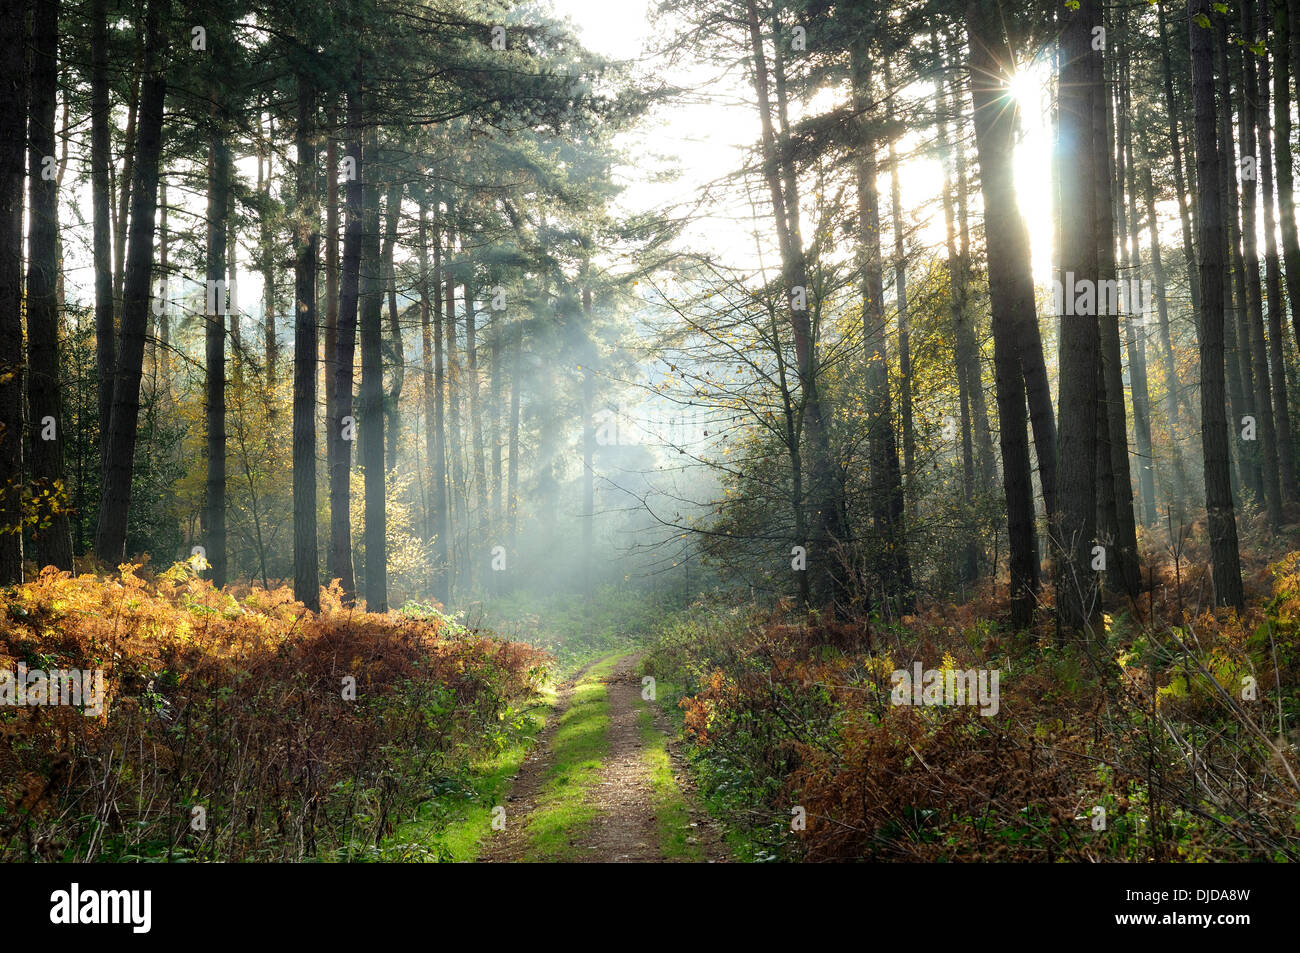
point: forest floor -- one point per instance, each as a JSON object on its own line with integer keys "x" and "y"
{"x": 605, "y": 782}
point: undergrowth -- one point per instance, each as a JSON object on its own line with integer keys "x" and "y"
{"x": 237, "y": 725}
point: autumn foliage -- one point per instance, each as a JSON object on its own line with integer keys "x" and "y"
{"x": 1169, "y": 736}
{"x": 228, "y": 732}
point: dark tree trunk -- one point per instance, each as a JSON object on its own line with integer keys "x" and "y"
{"x": 455, "y": 457}
{"x": 1254, "y": 310}
{"x": 1074, "y": 529}
{"x": 1212, "y": 242}
{"x": 1282, "y": 150}
{"x": 306, "y": 347}
{"x": 1011, "y": 293}
{"x": 13, "y": 134}
{"x": 431, "y": 345}
{"x": 1135, "y": 324}
{"x": 130, "y": 139}
{"x": 475, "y": 410}
{"x": 331, "y": 327}
{"x": 887, "y": 509}
{"x": 393, "y": 399}
{"x": 270, "y": 340}
{"x": 1040, "y": 404}
{"x": 1123, "y": 559}
{"x": 115, "y": 502}
{"x": 105, "y": 330}
{"x": 53, "y": 535}
{"x": 900, "y": 300}
{"x": 1175, "y": 143}
{"x": 1173, "y": 387}
{"x": 214, "y": 507}
{"x": 963, "y": 343}
{"x": 1273, "y": 276}
{"x": 781, "y": 183}
{"x": 371, "y": 396}
{"x": 342, "y": 425}
{"x": 1235, "y": 337}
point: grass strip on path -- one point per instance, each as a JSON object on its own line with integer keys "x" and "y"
{"x": 578, "y": 747}
{"x": 672, "y": 815}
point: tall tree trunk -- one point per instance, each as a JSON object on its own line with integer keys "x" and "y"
{"x": 972, "y": 368}
{"x": 900, "y": 301}
{"x": 431, "y": 346}
{"x": 162, "y": 346}
{"x": 1011, "y": 294}
{"x": 342, "y": 424}
{"x": 1074, "y": 529}
{"x": 214, "y": 507}
{"x": 331, "y": 327}
{"x": 1175, "y": 144}
{"x": 963, "y": 342}
{"x": 456, "y": 466}
{"x": 1254, "y": 303}
{"x": 475, "y": 415}
{"x": 372, "y": 391}
{"x": 101, "y": 200}
{"x": 1174, "y": 395}
{"x": 1212, "y": 243}
{"x": 270, "y": 342}
{"x": 1135, "y": 341}
{"x": 306, "y": 349}
{"x": 13, "y": 134}
{"x": 393, "y": 399}
{"x": 53, "y": 536}
{"x": 130, "y": 138}
{"x": 1282, "y": 150}
{"x": 823, "y": 490}
{"x": 588, "y": 450}
{"x": 115, "y": 502}
{"x": 512, "y": 469}
{"x": 1235, "y": 337}
{"x": 1124, "y": 559}
{"x": 1273, "y": 272}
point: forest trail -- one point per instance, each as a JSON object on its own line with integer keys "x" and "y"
{"x": 603, "y": 783}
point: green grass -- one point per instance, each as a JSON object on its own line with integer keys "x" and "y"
{"x": 672, "y": 815}
{"x": 451, "y": 825}
{"x": 577, "y": 749}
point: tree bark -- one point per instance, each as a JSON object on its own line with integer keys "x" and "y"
{"x": 214, "y": 507}
{"x": 393, "y": 399}
{"x": 372, "y": 391}
{"x": 1282, "y": 151}
{"x": 823, "y": 490}
{"x": 342, "y": 424}
{"x": 1273, "y": 274}
{"x": 101, "y": 200}
{"x": 115, "y": 502}
{"x": 1074, "y": 529}
{"x": 1212, "y": 242}
{"x": 13, "y": 135}
{"x": 1263, "y": 390}
{"x": 1011, "y": 293}
{"x": 1123, "y": 561}
{"x": 52, "y": 536}
{"x": 436, "y": 450}
{"x": 306, "y": 348}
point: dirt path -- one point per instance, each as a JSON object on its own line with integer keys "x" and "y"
{"x": 626, "y": 827}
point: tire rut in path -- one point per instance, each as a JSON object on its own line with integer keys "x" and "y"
{"x": 625, "y": 828}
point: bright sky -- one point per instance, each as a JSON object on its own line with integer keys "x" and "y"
{"x": 708, "y": 139}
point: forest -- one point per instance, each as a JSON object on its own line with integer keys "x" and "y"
{"x": 649, "y": 431}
